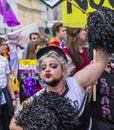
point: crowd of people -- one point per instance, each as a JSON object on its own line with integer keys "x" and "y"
{"x": 68, "y": 71}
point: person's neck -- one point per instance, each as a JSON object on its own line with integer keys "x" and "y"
{"x": 60, "y": 88}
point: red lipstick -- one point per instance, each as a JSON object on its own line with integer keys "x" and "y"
{"x": 48, "y": 75}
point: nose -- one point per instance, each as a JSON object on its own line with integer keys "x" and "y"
{"x": 47, "y": 68}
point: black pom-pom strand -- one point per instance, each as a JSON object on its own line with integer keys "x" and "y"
{"x": 48, "y": 111}
{"x": 101, "y": 29}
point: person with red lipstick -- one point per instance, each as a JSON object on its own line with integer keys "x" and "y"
{"x": 55, "y": 67}
{"x": 63, "y": 103}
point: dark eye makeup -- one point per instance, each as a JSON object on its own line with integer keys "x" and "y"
{"x": 43, "y": 66}
{"x": 52, "y": 65}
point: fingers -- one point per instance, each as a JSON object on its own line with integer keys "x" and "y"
{"x": 27, "y": 101}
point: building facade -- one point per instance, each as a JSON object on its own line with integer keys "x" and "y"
{"x": 30, "y": 11}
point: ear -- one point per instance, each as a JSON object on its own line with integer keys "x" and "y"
{"x": 63, "y": 72}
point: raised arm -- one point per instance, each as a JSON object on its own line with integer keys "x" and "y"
{"x": 92, "y": 72}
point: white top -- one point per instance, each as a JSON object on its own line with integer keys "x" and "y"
{"x": 75, "y": 93}
{"x": 4, "y": 69}
{"x": 77, "y": 96}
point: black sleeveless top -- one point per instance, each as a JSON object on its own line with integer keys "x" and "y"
{"x": 103, "y": 108}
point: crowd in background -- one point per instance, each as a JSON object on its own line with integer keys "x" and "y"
{"x": 74, "y": 43}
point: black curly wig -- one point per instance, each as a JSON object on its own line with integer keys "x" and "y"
{"x": 48, "y": 111}
{"x": 101, "y": 29}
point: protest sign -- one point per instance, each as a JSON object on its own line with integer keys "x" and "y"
{"x": 29, "y": 79}
{"x": 74, "y": 17}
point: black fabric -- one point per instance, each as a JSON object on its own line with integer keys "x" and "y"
{"x": 102, "y": 125}
{"x": 4, "y": 118}
{"x": 101, "y": 29}
{"x": 84, "y": 119}
{"x": 6, "y": 110}
{"x": 34, "y": 110}
{"x": 103, "y": 108}
{"x": 46, "y": 50}
{"x": 9, "y": 102}
{"x": 1, "y": 127}
{"x": 48, "y": 111}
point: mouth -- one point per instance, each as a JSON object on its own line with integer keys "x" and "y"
{"x": 48, "y": 75}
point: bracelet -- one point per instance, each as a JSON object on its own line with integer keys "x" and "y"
{"x": 13, "y": 99}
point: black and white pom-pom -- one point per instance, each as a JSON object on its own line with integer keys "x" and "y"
{"x": 101, "y": 29}
{"x": 48, "y": 111}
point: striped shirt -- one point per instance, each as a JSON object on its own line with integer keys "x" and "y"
{"x": 4, "y": 69}
{"x": 14, "y": 60}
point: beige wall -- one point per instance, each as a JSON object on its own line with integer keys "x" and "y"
{"x": 30, "y": 11}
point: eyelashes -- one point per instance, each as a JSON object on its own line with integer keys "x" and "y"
{"x": 52, "y": 65}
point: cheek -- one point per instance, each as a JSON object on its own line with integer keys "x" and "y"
{"x": 41, "y": 75}
{"x": 58, "y": 72}
{"x": 63, "y": 33}
{"x": 83, "y": 37}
